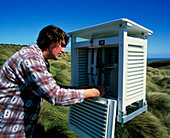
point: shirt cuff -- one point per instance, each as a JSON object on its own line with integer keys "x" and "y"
{"x": 82, "y": 95}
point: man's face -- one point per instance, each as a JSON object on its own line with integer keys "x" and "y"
{"x": 56, "y": 49}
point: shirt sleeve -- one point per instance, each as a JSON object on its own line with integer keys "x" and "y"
{"x": 41, "y": 83}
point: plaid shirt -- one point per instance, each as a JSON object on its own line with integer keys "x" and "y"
{"x": 24, "y": 82}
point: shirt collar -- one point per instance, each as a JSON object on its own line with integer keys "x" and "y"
{"x": 39, "y": 51}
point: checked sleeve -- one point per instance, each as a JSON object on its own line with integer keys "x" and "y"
{"x": 41, "y": 83}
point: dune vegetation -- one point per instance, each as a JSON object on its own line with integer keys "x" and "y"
{"x": 154, "y": 123}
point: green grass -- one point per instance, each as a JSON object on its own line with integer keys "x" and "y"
{"x": 154, "y": 123}
{"x": 146, "y": 125}
{"x": 61, "y": 69}
{"x": 7, "y": 50}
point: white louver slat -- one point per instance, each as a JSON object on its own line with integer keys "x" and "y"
{"x": 93, "y": 118}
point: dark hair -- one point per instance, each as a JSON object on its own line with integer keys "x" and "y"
{"x": 51, "y": 34}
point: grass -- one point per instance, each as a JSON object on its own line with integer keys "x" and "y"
{"x": 61, "y": 69}
{"x": 146, "y": 125}
{"x": 154, "y": 123}
{"x": 7, "y": 50}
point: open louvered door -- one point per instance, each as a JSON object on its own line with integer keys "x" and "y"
{"x": 93, "y": 118}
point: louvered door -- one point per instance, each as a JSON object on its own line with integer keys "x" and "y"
{"x": 82, "y": 66}
{"x": 93, "y": 118}
{"x": 135, "y": 70}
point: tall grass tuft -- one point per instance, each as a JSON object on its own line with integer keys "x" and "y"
{"x": 159, "y": 101}
{"x": 159, "y": 105}
{"x": 146, "y": 125}
{"x": 53, "y": 122}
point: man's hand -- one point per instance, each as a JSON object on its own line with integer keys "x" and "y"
{"x": 102, "y": 90}
{"x": 95, "y": 92}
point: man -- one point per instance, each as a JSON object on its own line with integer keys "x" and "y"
{"x": 25, "y": 80}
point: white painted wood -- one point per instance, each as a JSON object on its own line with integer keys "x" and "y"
{"x": 135, "y": 69}
{"x": 138, "y": 94}
{"x": 82, "y": 44}
{"x": 135, "y": 73}
{"x": 122, "y": 69}
{"x": 111, "y": 28}
{"x": 135, "y": 62}
{"x": 134, "y": 84}
{"x": 130, "y": 100}
{"x": 93, "y": 118}
{"x": 82, "y": 75}
{"x": 134, "y": 89}
{"x": 134, "y": 58}
{"x": 74, "y": 60}
{"x": 130, "y": 39}
{"x": 135, "y": 41}
{"x": 100, "y": 32}
{"x": 134, "y": 77}
{"x": 111, "y": 113}
{"x": 108, "y": 41}
{"x": 145, "y": 67}
{"x": 135, "y": 54}
{"x": 137, "y": 49}
{"x": 135, "y": 65}
{"x": 134, "y": 80}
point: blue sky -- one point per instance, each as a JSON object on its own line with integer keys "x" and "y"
{"x": 21, "y": 20}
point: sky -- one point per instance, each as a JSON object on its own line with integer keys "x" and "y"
{"x": 22, "y": 20}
